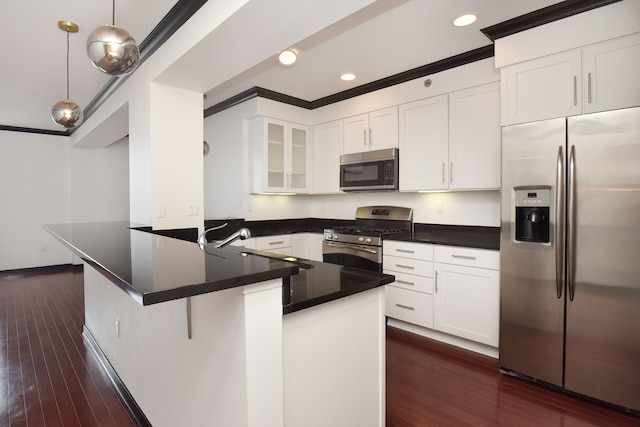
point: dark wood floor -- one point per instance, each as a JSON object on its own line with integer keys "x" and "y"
{"x": 50, "y": 377}
{"x": 435, "y": 384}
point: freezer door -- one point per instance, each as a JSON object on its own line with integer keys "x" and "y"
{"x": 531, "y": 312}
{"x": 603, "y": 318}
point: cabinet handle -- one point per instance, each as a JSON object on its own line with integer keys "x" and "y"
{"x": 450, "y": 171}
{"x": 405, "y": 307}
{"x": 463, "y": 256}
{"x": 404, "y": 282}
{"x": 436, "y": 281}
{"x": 370, "y": 136}
{"x": 405, "y": 250}
{"x": 575, "y": 90}
{"x": 405, "y": 266}
{"x": 443, "y": 178}
{"x": 364, "y": 137}
{"x": 589, "y": 87}
{"x": 277, "y": 243}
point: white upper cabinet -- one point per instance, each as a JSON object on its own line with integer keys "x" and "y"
{"x": 327, "y": 148}
{"x": 474, "y": 138}
{"x": 372, "y": 131}
{"x": 612, "y": 74}
{"x": 451, "y": 141}
{"x": 598, "y": 77}
{"x": 281, "y": 152}
{"x": 424, "y": 144}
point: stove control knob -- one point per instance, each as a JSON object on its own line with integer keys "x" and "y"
{"x": 334, "y": 237}
{"x": 368, "y": 240}
{"x": 360, "y": 239}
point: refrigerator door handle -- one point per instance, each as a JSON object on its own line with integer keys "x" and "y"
{"x": 560, "y": 222}
{"x": 571, "y": 225}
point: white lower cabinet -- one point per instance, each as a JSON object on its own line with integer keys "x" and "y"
{"x": 466, "y": 300}
{"x": 447, "y": 289}
{"x": 307, "y": 246}
{"x": 410, "y": 297}
{"x": 280, "y": 244}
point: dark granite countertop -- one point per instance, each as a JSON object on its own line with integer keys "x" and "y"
{"x": 452, "y": 235}
{"x": 153, "y": 268}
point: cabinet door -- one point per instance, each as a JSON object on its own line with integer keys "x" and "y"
{"x": 423, "y": 144}
{"x": 383, "y": 129}
{"x": 611, "y": 71}
{"x": 327, "y": 148}
{"x": 544, "y": 88}
{"x": 298, "y": 151}
{"x": 474, "y": 138}
{"x": 466, "y": 302}
{"x": 275, "y": 155}
{"x": 356, "y": 131}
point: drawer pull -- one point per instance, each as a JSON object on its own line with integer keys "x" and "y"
{"x": 404, "y": 282}
{"x": 463, "y": 256}
{"x": 277, "y": 243}
{"x": 405, "y": 307}
{"x": 405, "y": 266}
{"x": 408, "y": 251}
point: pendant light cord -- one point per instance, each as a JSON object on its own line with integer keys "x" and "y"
{"x": 113, "y": 13}
{"x": 67, "y": 64}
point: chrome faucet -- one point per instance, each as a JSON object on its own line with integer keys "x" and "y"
{"x": 202, "y": 239}
{"x": 242, "y": 234}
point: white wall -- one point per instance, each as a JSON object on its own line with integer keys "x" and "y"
{"x": 100, "y": 183}
{"x": 45, "y": 181}
{"x": 34, "y": 190}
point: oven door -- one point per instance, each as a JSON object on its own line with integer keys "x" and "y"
{"x": 352, "y": 255}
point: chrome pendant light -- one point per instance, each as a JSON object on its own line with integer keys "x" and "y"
{"x": 67, "y": 113}
{"x": 112, "y": 50}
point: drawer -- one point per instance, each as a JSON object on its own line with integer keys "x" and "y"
{"x": 412, "y": 282}
{"x": 409, "y": 306}
{"x": 471, "y": 257}
{"x": 422, "y": 251}
{"x": 266, "y": 243}
{"x": 407, "y": 265}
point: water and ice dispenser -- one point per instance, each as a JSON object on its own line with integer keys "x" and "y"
{"x": 532, "y": 215}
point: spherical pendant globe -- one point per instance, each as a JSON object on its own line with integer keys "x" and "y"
{"x": 112, "y": 50}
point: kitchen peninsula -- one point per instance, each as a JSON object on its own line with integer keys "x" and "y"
{"x": 214, "y": 338}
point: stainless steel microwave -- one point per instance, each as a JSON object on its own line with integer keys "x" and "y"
{"x": 369, "y": 170}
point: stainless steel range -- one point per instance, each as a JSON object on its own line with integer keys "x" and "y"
{"x": 360, "y": 245}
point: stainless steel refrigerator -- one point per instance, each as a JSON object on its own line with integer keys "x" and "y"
{"x": 570, "y": 254}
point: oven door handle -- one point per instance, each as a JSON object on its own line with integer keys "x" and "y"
{"x": 352, "y": 247}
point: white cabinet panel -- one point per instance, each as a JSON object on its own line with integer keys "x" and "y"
{"x": 423, "y": 144}
{"x": 373, "y": 131}
{"x": 474, "y": 138}
{"x": 611, "y": 71}
{"x": 466, "y": 302}
{"x": 412, "y": 282}
{"x": 544, "y": 88}
{"x": 471, "y": 257}
{"x": 327, "y": 148}
{"x": 409, "y": 306}
{"x": 408, "y": 265}
{"x": 408, "y": 250}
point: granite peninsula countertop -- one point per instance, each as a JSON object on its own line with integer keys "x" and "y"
{"x": 152, "y": 268}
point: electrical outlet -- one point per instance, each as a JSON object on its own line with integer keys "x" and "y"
{"x": 440, "y": 207}
{"x": 160, "y": 211}
{"x": 192, "y": 209}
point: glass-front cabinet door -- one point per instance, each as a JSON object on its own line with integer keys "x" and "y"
{"x": 280, "y": 156}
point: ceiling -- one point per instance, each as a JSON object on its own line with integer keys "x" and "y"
{"x": 383, "y": 39}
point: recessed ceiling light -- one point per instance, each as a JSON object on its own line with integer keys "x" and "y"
{"x": 287, "y": 57}
{"x": 464, "y": 20}
{"x": 347, "y": 77}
